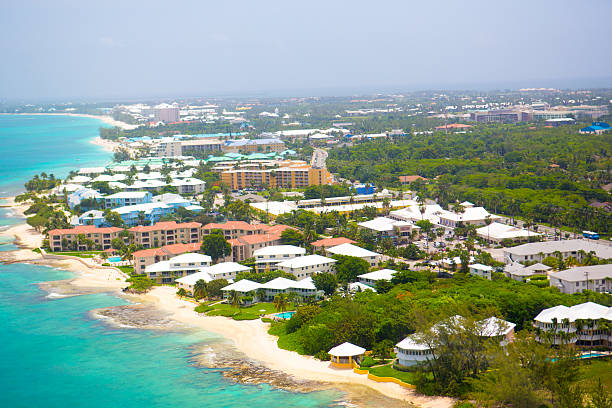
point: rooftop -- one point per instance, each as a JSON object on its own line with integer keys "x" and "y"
{"x": 308, "y": 260}
{"x": 351, "y": 250}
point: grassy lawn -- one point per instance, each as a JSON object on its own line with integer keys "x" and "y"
{"x": 83, "y": 254}
{"x": 389, "y": 371}
{"x": 286, "y": 341}
{"x": 238, "y": 313}
{"x": 126, "y": 269}
{"x": 590, "y": 371}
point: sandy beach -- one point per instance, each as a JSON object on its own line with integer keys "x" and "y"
{"x": 108, "y": 145}
{"x": 250, "y": 337}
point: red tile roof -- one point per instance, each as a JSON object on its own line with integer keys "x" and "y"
{"x": 165, "y": 225}
{"x": 149, "y": 252}
{"x": 177, "y": 249}
{"x": 232, "y": 225}
{"x": 85, "y": 229}
{"x": 330, "y": 242}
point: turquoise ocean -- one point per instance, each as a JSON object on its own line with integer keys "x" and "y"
{"x": 55, "y": 354}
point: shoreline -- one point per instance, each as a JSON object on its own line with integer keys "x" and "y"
{"x": 249, "y": 336}
{"x": 104, "y": 118}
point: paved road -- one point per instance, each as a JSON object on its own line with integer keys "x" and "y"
{"x": 318, "y": 158}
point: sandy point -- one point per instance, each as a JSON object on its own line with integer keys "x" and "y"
{"x": 252, "y": 338}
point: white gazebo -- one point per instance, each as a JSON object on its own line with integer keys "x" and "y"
{"x": 345, "y": 354}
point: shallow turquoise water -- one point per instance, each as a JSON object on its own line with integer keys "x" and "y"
{"x": 55, "y": 355}
{"x": 54, "y": 144}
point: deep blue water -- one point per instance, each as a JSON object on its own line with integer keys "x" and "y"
{"x": 53, "y": 353}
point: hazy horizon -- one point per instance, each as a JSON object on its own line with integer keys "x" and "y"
{"x": 68, "y": 49}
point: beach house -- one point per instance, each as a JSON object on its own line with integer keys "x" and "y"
{"x": 181, "y": 265}
{"x": 371, "y": 278}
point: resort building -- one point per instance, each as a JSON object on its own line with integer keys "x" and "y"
{"x": 346, "y": 354}
{"x": 170, "y": 147}
{"x": 385, "y": 227}
{"x": 81, "y": 194}
{"x": 189, "y": 185}
{"x": 182, "y": 265}
{"x": 371, "y": 278}
{"x": 77, "y": 238}
{"x": 497, "y": 233}
{"x": 146, "y": 257}
{"x": 520, "y": 272}
{"x": 166, "y": 113}
{"x": 370, "y": 257}
{"x": 597, "y": 278}
{"x": 91, "y": 217}
{"x": 234, "y": 229}
{"x": 305, "y": 266}
{"x": 324, "y": 243}
{"x": 470, "y": 216}
{"x": 414, "y": 350}
{"x": 575, "y": 248}
{"x": 304, "y": 288}
{"x": 166, "y": 233}
{"x": 267, "y": 258}
{"x": 126, "y": 198}
{"x": 254, "y": 145}
{"x": 290, "y": 176}
{"x": 483, "y": 271}
{"x": 578, "y": 324}
{"x": 244, "y": 247}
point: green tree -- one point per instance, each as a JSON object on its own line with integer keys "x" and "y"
{"x": 382, "y": 349}
{"x": 281, "y": 302}
{"x": 214, "y": 287}
{"x": 235, "y": 299}
{"x": 181, "y": 292}
{"x": 326, "y": 282}
{"x": 291, "y": 236}
{"x": 215, "y": 246}
{"x": 199, "y": 289}
{"x": 349, "y": 267}
{"x": 113, "y": 218}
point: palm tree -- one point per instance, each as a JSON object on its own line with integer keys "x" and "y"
{"x": 386, "y": 204}
{"x": 260, "y": 294}
{"x": 181, "y": 293}
{"x": 199, "y": 289}
{"x": 280, "y": 302}
{"x": 292, "y": 298}
{"x": 235, "y": 298}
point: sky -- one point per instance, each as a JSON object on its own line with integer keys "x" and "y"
{"x": 136, "y": 49}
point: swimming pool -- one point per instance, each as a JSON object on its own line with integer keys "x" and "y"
{"x": 284, "y": 315}
{"x": 592, "y": 355}
{"x": 114, "y": 259}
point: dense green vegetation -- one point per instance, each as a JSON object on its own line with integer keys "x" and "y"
{"x": 545, "y": 174}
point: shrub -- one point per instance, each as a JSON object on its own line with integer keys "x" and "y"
{"x": 368, "y": 361}
{"x": 203, "y": 308}
{"x": 323, "y": 356}
{"x": 266, "y": 320}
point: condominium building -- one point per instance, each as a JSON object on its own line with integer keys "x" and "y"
{"x": 172, "y": 148}
{"x": 166, "y": 233}
{"x": 245, "y": 246}
{"x": 166, "y": 113}
{"x": 234, "y": 229}
{"x": 178, "y": 266}
{"x": 305, "y": 266}
{"x": 267, "y": 258}
{"x": 125, "y": 198}
{"x": 254, "y": 145}
{"x": 291, "y": 176}
{"x": 578, "y": 324}
{"x": 537, "y": 251}
{"x": 146, "y": 257}
{"x": 597, "y": 278}
{"x": 71, "y": 238}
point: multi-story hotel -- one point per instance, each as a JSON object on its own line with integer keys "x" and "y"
{"x": 289, "y": 176}
{"x": 254, "y": 145}
{"x": 69, "y": 238}
{"x": 166, "y": 233}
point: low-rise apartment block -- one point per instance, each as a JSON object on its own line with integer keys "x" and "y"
{"x": 166, "y": 233}
{"x": 70, "y": 238}
{"x": 305, "y": 266}
{"x": 146, "y": 257}
{"x": 267, "y": 258}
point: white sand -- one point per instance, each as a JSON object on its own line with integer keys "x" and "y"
{"x": 251, "y": 337}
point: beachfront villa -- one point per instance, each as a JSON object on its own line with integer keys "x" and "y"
{"x": 305, "y": 266}
{"x": 304, "y": 288}
{"x": 77, "y": 238}
{"x": 267, "y": 258}
{"x": 346, "y": 354}
{"x": 413, "y": 350}
{"x": 353, "y": 250}
{"x": 371, "y": 278}
{"x": 579, "y": 324}
{"x": 126, "y": 198}
{"x": 178, "y": 266}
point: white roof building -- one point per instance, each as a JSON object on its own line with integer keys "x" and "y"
{"x": 484, "y": 271}
{"x": 597, "y": 278}
{"x": 305, "y": 266}
{"x": 353, "y": 250}
{"x": 497, "y": 232}
{"x": 371, "y": 278}
{"x": 537, "y": 251}
{"x": 358, "y": 286}
{"x": 346, "y": 349}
